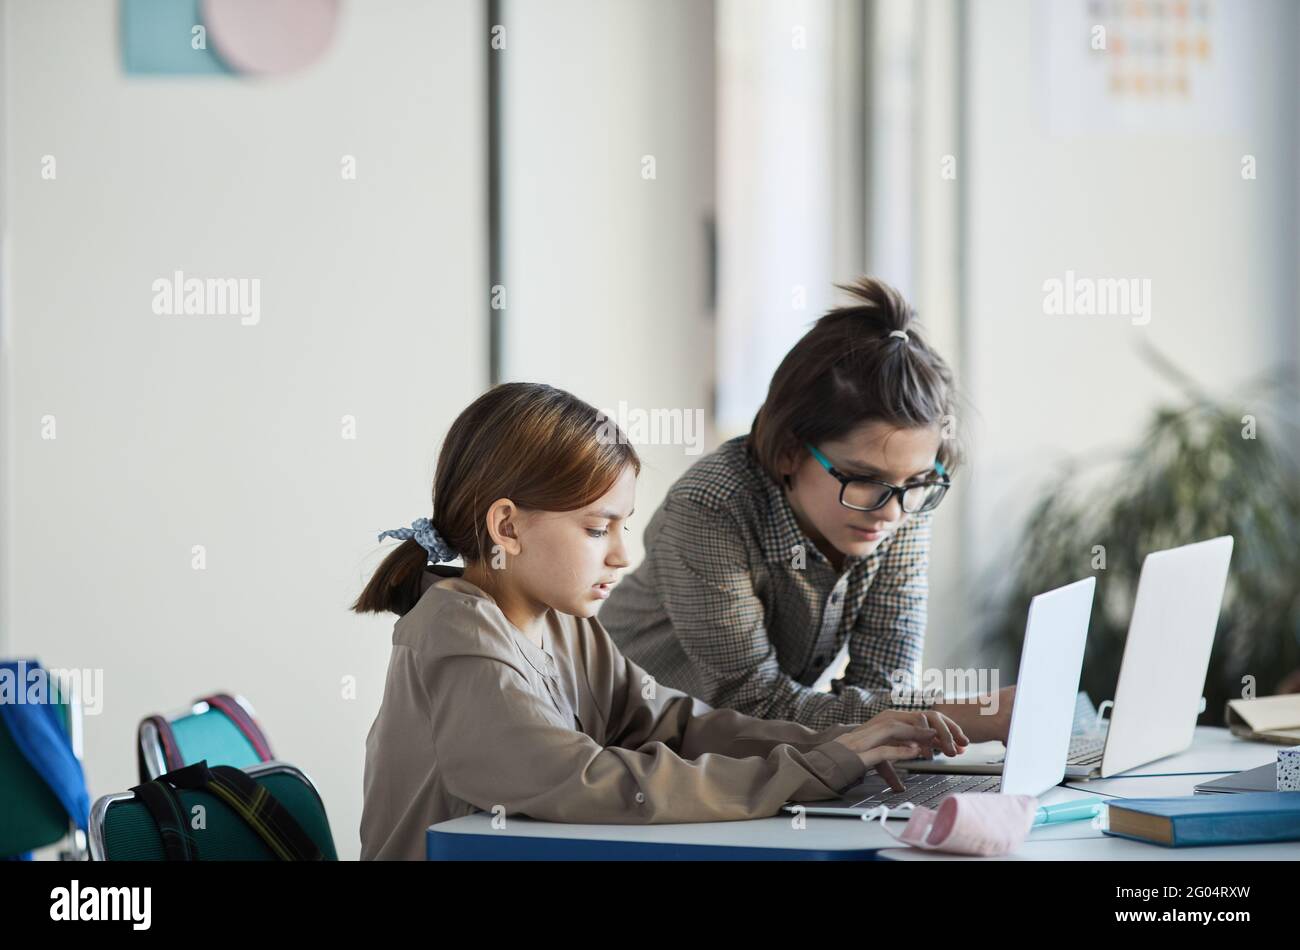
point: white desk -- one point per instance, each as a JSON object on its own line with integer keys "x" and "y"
{"x": 822, "y": 838}
{"x": 1214, "y": 752}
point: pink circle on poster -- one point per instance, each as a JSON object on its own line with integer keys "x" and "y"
{"x": 270, "y": 36}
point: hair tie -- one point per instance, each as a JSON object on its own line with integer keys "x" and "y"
{"x": 901, "y": 334}
{"x": 422, "y": 530}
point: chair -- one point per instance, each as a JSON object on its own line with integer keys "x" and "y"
{"x": 121, "y": 828}
{"x": 201, "y": 731}
{"x": 31, "y": 816}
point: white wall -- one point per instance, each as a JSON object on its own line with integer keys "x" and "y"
{"x": 928, "y": 247}
{"x": 606, "y": 272}
{"x": 779, "y": 139}
{"x": 182, "y": 431}
{"x": 1171, "y": 207}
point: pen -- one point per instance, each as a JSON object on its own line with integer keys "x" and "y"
{"x": 1079, "y": 810}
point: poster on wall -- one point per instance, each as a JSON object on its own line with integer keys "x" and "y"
{"x": 1136, "y": 66}
{"x": 225, "y": 37}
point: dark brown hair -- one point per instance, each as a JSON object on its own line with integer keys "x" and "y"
{"x": 541, "y": 447}
{"x": 848, "y": 370}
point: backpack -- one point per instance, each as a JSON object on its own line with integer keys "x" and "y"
{"x": 252, "y": 804}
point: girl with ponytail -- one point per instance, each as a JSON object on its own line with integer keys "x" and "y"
{"x": 504, "y": 692}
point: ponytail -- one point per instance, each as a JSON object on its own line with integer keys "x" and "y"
{"x": 395, "y": 586}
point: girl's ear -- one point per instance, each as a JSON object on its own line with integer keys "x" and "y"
{"x": 502, "y": 527}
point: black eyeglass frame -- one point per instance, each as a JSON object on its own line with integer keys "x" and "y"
{"x": 944, "y": 481}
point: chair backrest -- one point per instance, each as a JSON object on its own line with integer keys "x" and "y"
{"x": 201, "y": 732}
{"x": 31, "y": 815}
{"x": 121, "y": 828}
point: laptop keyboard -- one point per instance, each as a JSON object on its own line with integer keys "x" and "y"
{"x": 1086, "y": 749}
{"x": 926, "y": 789}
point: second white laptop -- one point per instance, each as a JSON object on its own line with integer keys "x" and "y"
{"x": 1162, "y": 673}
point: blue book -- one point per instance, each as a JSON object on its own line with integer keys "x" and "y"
{"x": 1193, "y": 820}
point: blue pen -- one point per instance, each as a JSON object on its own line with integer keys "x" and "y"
{"x": 1079, "y": 810}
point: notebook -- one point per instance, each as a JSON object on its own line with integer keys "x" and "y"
{"x": 1266, "y": 719}
{"x": 1246, "y": 818}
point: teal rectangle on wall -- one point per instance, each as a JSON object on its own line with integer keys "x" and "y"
{"x": 159, "y": 37}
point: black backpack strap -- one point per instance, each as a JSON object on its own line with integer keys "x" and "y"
{"x": 169, "y": 815}
{"x": 254, "y": 805}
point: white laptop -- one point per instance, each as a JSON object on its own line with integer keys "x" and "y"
{"x": 1041, "y": 719}
{"x": 1161, "y": 677}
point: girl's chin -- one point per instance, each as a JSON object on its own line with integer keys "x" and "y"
{"x": 858, "y": 544}
{"x": 585, "y": 607}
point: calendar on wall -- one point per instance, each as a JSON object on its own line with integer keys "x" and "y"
{"x": 1144, "y": 65}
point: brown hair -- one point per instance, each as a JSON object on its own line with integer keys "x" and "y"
{"x": 848, "y": 370}
{"x": 541, "y": 447}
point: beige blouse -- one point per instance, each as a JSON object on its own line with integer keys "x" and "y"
{"x": 475, "y": 716}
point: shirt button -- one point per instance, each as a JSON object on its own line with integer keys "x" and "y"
{"x": 835, "y": 597}
{"x": 640, "y": 798}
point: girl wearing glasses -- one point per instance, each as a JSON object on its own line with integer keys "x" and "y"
{"x": 809, "y": 537}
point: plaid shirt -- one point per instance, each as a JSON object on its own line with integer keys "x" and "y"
{"x": 734, "y": 603}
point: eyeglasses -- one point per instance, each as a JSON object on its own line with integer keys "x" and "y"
{"x": 870, "y": 494}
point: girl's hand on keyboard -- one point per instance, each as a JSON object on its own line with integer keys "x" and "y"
{"x": 887, "y": 740}
{"x": 950, "y": 738}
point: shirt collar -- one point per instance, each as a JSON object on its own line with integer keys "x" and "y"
{"x": 451, "y": 577}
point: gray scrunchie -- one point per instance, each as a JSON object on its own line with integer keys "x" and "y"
{"x": 422, "y": 530}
